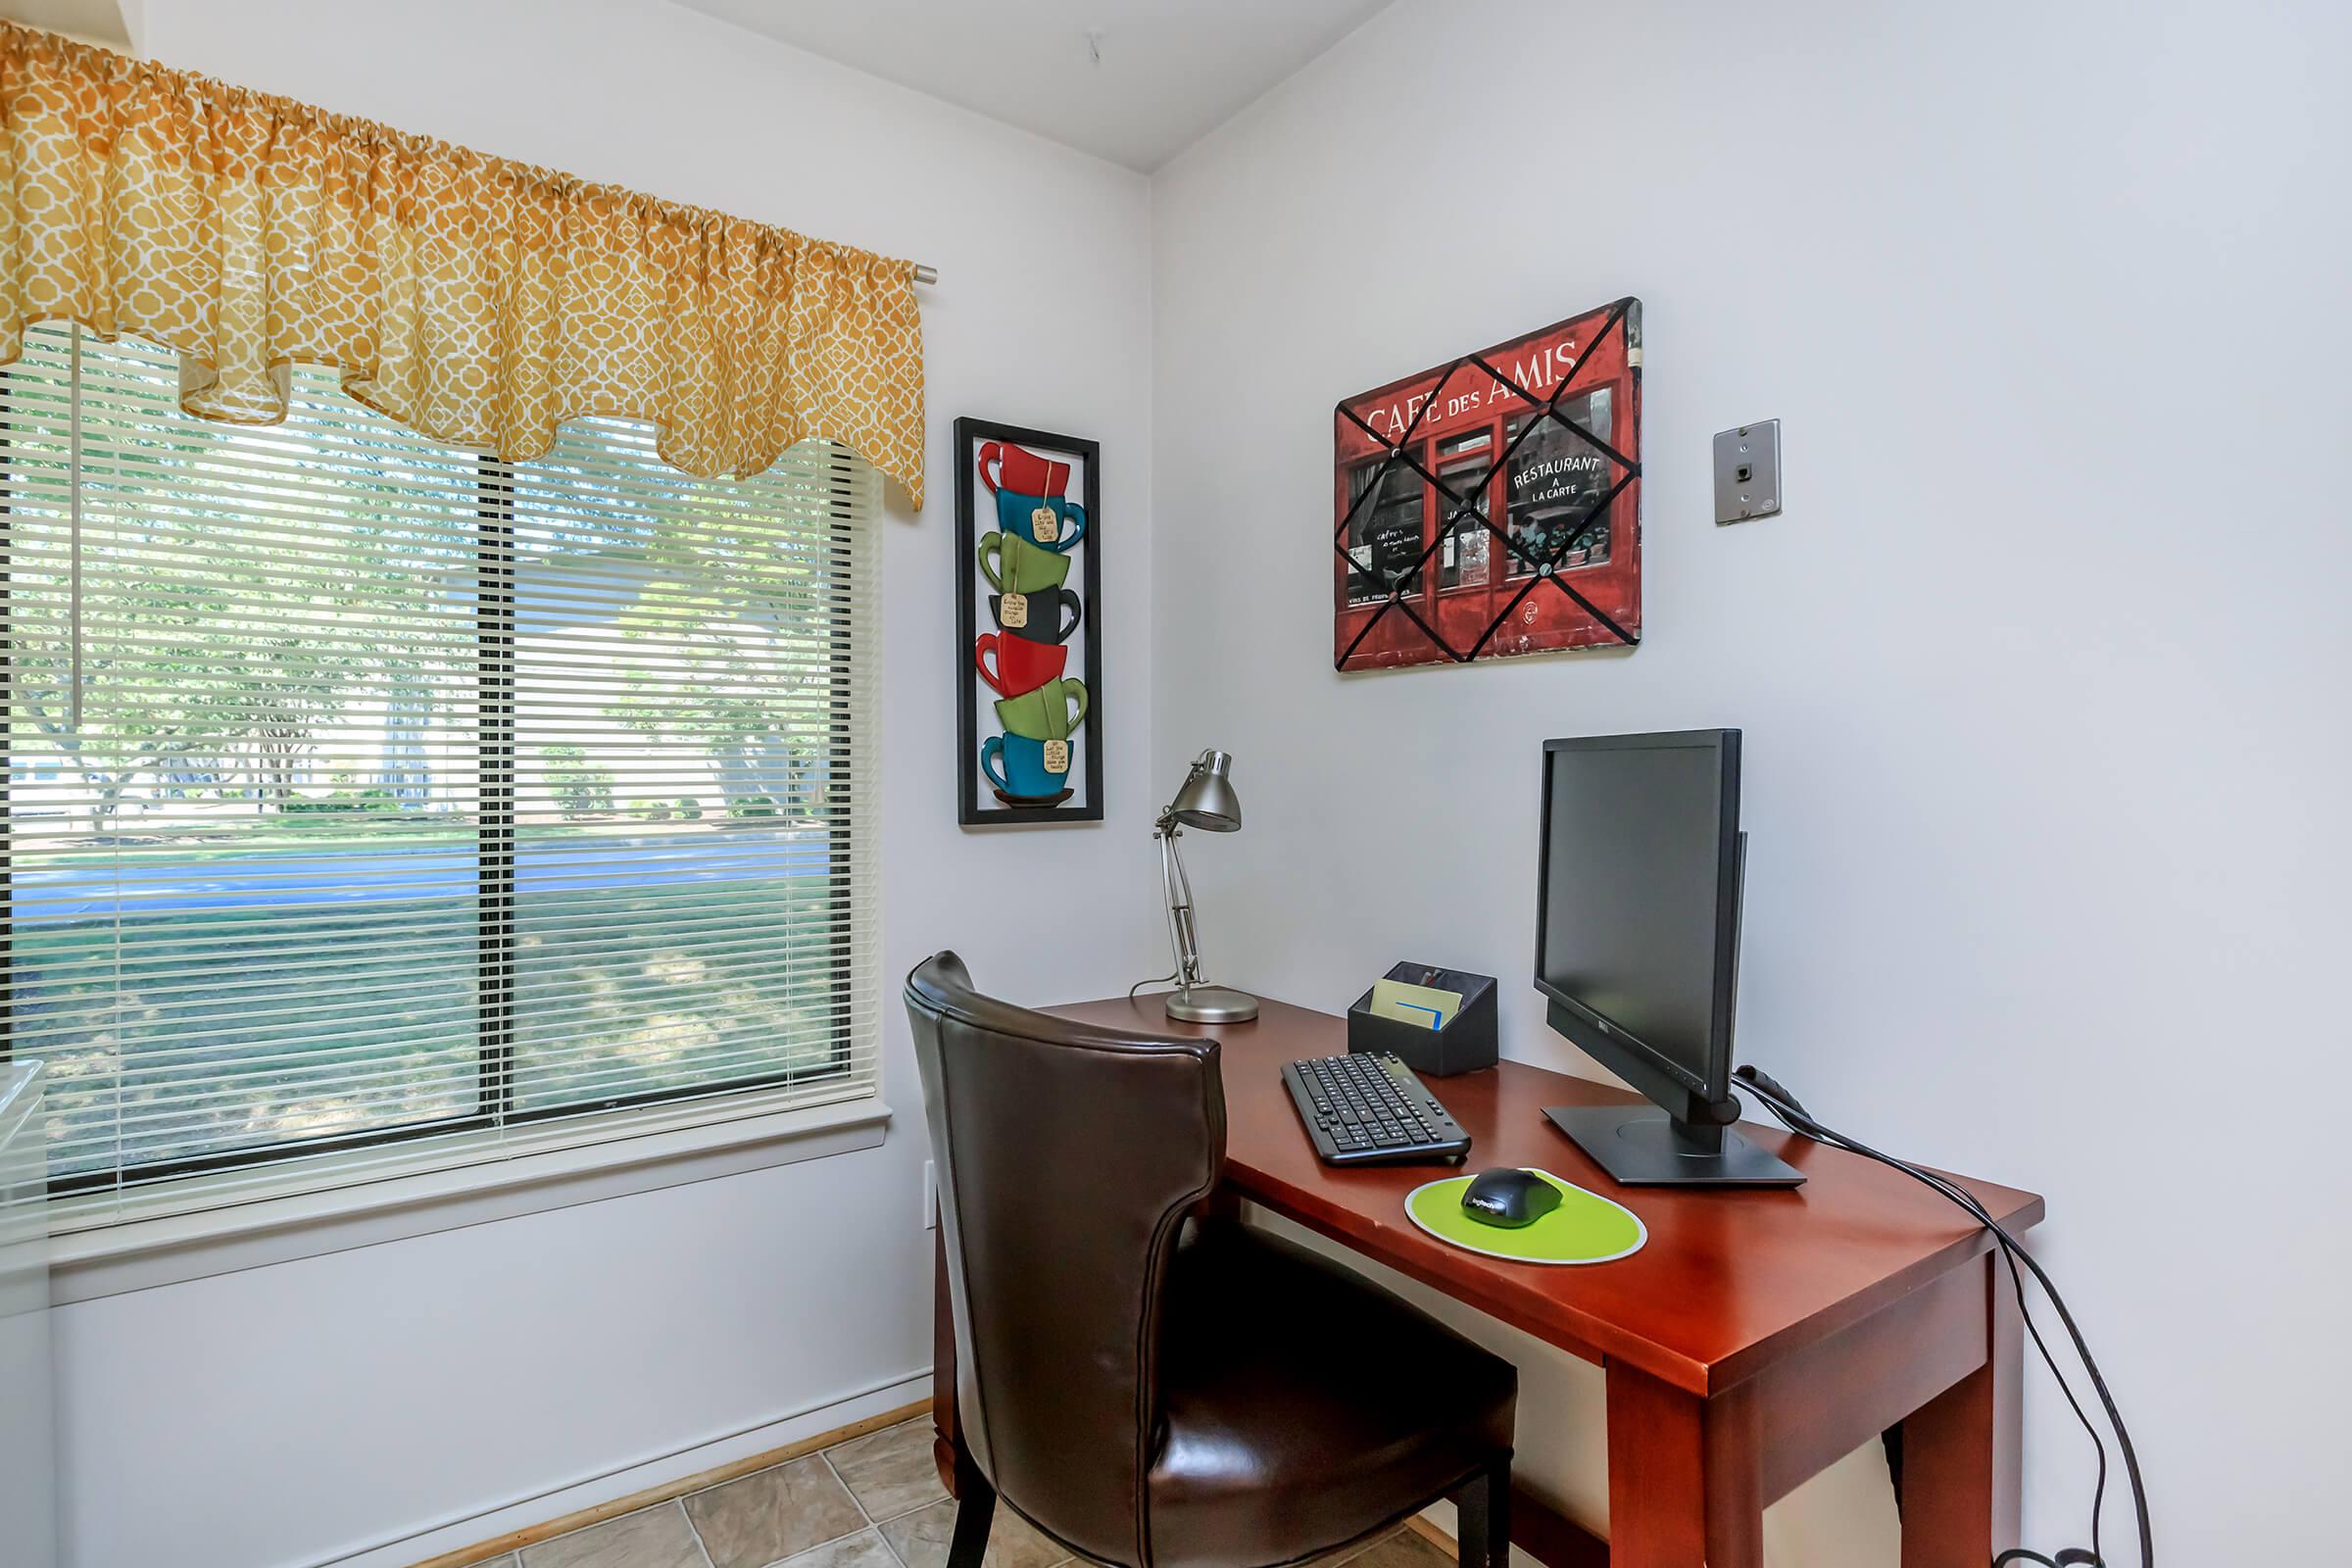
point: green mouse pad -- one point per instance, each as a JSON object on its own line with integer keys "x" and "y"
{"x": 1586, "y": 1228}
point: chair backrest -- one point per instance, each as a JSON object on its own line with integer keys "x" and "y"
{"x": 1068, "y": 1157}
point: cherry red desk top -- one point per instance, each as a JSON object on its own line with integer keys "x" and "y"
{"x": 1732, "y": 1280}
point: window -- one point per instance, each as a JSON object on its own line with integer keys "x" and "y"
{"x": 1556, "y": 476}
{"x": 374, "y": 801}
{"x": 1466, "y": 468}
{"x": 1384, "y": 534}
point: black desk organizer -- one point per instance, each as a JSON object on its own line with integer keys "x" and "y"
{"x": 1466, "y": 1042}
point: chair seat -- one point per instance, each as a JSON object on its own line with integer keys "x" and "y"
{"x": 1303, "y": 1407}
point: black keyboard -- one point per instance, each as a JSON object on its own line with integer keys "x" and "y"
{"x": 1369, "y": 1109}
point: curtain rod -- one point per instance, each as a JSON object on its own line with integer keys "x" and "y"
{"x": 925, "y": 274}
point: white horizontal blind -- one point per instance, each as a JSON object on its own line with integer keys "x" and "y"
{"x": 373, "y": 806}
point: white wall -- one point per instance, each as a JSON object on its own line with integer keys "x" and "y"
{"x": 287, "y": 1414}
{"x": 2042, "y": 672}
{"x": 27, "y": 1415}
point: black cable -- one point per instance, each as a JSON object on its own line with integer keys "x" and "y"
{"x": 2009, "y": 1256}
{"x": 1791, "y": 1112}
{"x": 2011, "y": 1252}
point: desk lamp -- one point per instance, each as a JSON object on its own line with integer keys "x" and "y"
{"x": 1207, "y": 802}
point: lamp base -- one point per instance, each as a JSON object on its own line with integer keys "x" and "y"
{"x": 1211, "y": 1005}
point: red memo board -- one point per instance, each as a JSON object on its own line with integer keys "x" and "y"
{"x": 1493, "y": 506}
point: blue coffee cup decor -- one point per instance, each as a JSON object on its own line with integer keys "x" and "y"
{"x": 1049, "y": 523}
{"x": 1024, "y": 768}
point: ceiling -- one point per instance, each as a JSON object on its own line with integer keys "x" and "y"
{"x": 1136, "y": 81}
{"x": 97, "y": 20}
{"x": 1167, "y": 71}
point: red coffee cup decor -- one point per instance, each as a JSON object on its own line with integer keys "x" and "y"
{"x": 1005, "y": 466}
{"x": 1012, "y": 665}
{"x": 1028, "y": 507}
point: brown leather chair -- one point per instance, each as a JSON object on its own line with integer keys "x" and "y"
{"x": 1152, "y": 1386}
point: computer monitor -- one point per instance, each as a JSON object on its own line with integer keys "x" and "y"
{"x": 1638, "y": 947}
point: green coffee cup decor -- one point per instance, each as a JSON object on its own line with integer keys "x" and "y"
{"x": 1048, "y": 713}
{"x": 1014, "y": 565}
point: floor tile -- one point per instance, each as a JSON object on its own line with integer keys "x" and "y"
{"x": 772, "y": 1514}
{"x": 651, "y": 1537}
{"x": 1333, "y": 1559}
{"x": 864, "y": 1550}
{"x": 920, "y": 1538}
{"x": 1406, "y": 1548}
{"x": 890, "y": 1472}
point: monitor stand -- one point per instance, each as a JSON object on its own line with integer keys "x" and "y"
{"x": 1646, "y": 1147}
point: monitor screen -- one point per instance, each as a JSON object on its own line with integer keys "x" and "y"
{"x": 1641, "y": 838}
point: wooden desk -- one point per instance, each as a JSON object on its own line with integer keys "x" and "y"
{"x": 1757, "y": 1338}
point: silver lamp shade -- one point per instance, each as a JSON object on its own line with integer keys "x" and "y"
{"x": 1207, "y": 801}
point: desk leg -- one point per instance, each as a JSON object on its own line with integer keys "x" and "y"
{"x": 1686, "y": 1477}
{"x": 1962, "y": 1450}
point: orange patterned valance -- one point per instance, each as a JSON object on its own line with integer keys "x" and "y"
{"x": 477, "y": 301}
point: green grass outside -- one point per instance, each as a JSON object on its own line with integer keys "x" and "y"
{"x": 655, "y": 990}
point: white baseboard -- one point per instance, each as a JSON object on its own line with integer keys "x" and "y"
{"x": 457, "y": 1531}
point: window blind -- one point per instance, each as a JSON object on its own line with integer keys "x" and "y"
{"x": 373, "y": 806}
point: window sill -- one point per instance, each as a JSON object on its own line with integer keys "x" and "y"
{"x": 139, "y": 1254}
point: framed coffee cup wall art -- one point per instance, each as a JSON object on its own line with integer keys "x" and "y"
{"x": 1028, "y": 601}
{"x": 1493, "y": 506}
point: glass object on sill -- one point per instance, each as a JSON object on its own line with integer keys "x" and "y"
{"x": 1555, "y": 476}
{"x": 1384, "y": 533}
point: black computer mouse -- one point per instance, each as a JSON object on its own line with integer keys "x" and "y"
{"x": 1509, "y": 1196}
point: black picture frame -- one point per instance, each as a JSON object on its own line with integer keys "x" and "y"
{"x": 976, "y": 803}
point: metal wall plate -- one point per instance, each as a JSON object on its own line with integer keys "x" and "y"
{"x": 1747, "y": 471}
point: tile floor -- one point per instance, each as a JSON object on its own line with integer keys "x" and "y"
{"x": 871, "y": 1503}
